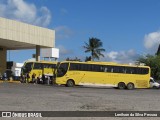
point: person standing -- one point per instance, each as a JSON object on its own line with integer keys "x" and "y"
{"x": 5, "y": 76}
{"x": 33, "y": 77}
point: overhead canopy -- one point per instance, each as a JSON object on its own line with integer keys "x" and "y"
{"x": 18, "y": 35}
{"x": 11, "y": 45}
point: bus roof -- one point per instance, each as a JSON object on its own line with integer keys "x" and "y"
{"x": 106, "y": 63}
{"x": 53, "y": 62}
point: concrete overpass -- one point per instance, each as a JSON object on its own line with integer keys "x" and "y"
{"x": 17, "y": 35}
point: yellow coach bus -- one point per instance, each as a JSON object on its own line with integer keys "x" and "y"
{"x": 122, "y": 76}
{"x": 38, "y": 69}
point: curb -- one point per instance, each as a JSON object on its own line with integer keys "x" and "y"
{"x": 12, "y": 81}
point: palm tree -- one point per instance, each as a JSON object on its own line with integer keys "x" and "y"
{"x": 95, "y": 47}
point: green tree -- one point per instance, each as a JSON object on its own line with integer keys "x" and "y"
{"x": 88, "y": 58}
{"x": 94, "y": 46}
{"x": 158, "y": 51}
{"x": 75, "y": 59}
{"x": 153, "y": 62}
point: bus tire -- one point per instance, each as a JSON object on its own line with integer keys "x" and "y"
{"x": 121, "y": 85}
{"x": 130, "y": 86}
{"x": 70, "y": 83}
{"x": 155, "y": 87}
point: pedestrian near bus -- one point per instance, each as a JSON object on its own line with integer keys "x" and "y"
{"x": 5, "y": 76}
{"x": 33, "y": 77}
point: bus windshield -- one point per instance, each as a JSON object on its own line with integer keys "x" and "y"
{"x": 27, "y": 67}
{"x": 62, "y": 69}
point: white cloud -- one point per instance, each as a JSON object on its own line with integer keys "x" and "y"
{"x": 121, "y": 56}
{"x": 45, "y": 18}
{"x": 152, "y": 41}
{"x": 26, "y": 12}
{"x": 63, "y": 32}
{"x": 63, "y": 50}
{"x": 112, "y": 55}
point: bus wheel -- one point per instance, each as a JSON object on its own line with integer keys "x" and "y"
{"x": 130, "y": 86}
{"x": 154, "y": 87}
{"x": 70, "y": 83}
{"x": 121, "y": 85}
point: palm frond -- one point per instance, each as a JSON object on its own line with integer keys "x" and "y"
{"x": 94, "y": 46}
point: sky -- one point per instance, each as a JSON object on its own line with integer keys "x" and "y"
{"x": 128, "y": 28}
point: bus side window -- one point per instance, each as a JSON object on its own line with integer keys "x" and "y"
{"x": 37, "y": 66}
{"x": 75, "y": 66}
{"x": 53, "y": 65}
{"x": 134, "y": 70}
{"x": 49, "y": 66}
{"x": 128, "y": 70}
{"x": 102, "y": 68}
{"x": 89, "y": 67}
{"x": 118, "y": 69}
{"x": 96, "y": 68}
{"x": 138, "y": 70}
{"x": 109, "y": 68}
{"x": 44, "y": 65}
{"x": 145, "y": 70}
{"x": 142, "y": 70}
{"x": 105, "y": 69}
{"x": 84, "y": 67}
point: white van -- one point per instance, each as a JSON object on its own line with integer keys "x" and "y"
{"x": 154, "y": 84}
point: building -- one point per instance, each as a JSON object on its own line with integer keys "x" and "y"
{"x": 16, "y": 35}
{"x": 50, "y": 53}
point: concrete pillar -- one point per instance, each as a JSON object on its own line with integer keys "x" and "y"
{"x": 3, "y": 59}
{"x": 37, "y": 53}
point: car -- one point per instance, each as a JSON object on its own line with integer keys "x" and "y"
{"x": 154, "y": 84}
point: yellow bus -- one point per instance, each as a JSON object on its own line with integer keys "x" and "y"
{"x": 38, "y": 69}
{"x": 111, "y": 74}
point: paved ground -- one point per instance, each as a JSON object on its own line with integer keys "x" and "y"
{"x": 30, "y": 97}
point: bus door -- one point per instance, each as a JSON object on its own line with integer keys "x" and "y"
{"x": 62, "y": 72}
{"x": 37, "y": 69}
{"x": 77, "y": 76}
{"x": 92, "y": 78}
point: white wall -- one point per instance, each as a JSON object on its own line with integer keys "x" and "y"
{"x": 50, "y": 52}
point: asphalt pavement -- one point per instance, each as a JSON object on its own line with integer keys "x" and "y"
{"x": 35, "y": 97}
